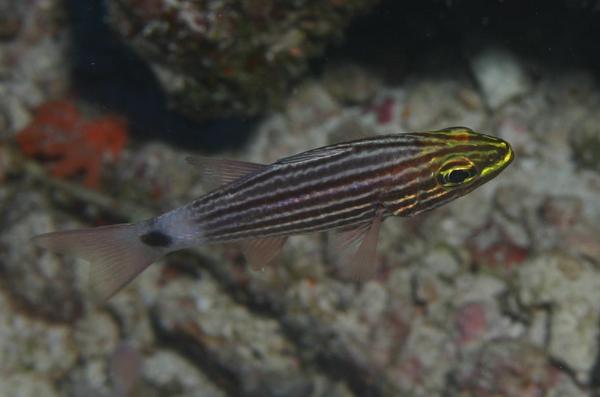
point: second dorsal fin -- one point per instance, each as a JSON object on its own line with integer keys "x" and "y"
{"x": 219, "y": 172}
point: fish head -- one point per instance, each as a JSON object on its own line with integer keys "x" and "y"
{"x": 472, "y": 160}
{"x": 454, "y": 162}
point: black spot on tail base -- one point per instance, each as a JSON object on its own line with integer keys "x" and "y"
{"x": 156, "y": 238}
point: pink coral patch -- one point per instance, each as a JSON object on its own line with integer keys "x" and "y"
{"x": 471, "y": 322}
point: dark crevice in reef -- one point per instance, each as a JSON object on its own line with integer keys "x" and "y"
{"x": 262, "y": 306}
{"x": 336, "y": 368}
{"x": 595, "y": 374}
{"x": 109, "y": 74}
{"x": 568, "y": 371}
{"x": 194, "y": 351}
{"x": 395, "y": 38}
{"x": 560, "y": 34}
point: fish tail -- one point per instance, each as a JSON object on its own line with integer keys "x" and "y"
{"x": 116, "y": 252}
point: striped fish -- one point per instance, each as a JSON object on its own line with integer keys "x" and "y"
{"x": 348, "y": 187}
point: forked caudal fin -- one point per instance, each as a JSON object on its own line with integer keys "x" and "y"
{"x": 116, "y": 254}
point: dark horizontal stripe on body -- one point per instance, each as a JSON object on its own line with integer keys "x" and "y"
{"x": 272, "y": 176}
{"x": 317, "y": 195}
{"x": 326, "y": 198}
{"x": 302, "y": 218}
{"x": 331, "y": 221}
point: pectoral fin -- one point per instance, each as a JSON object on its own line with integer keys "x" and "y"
{"x": 260, "y": 252}
{"x": 219, "y": 172}
{"x": 355, "y": 250}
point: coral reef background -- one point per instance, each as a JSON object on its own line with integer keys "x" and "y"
{"x": 496, "y": 294}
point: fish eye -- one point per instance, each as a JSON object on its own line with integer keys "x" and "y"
{"x": 458, "y": 176}
{"x": 456, "y": 172}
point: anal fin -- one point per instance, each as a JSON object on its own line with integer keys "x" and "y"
{"x": 356, "y": 250}
{"x": 260, "y": 252}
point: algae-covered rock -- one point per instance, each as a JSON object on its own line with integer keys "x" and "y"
{"x": 506, "y": 367}
{"x": 500, "y": 76}
{"x": 228, "y": 57}
{"x": 34, "y": 40}
{"x": 39, "y": 282}
{"x": 33, "y": 346}
{"x": 26, "y": 385}
{"x": 571, "y": 288}
{"x": 585, "y": 142}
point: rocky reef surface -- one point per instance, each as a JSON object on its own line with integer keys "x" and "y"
{"x": 34, "y": 41}
{"x": 231, "y": 57}
{"x": 495, "y": 294}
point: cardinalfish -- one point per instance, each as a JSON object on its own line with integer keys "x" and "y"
{"x": 349, "y": 188}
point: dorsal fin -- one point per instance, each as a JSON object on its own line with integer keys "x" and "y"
{"x": 219, "y": 172}
{"x": 315, "y": 154}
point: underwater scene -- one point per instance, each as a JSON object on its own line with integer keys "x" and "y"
{"x": 304, "y": 198}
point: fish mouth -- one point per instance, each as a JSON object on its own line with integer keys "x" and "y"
{"x": 506, "y": 157}
{"x": 509, "y": 154}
